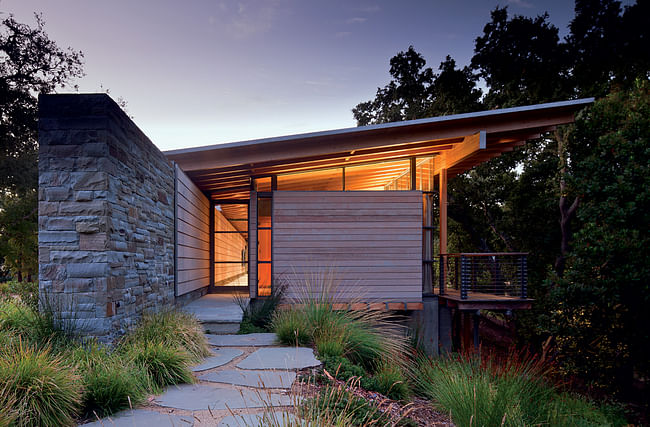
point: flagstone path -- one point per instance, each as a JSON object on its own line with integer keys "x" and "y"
{"x": 246, "y": 375}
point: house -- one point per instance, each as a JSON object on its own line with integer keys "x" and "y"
{"x": 124, "y": 227}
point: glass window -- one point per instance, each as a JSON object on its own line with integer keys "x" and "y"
{"x": 391, "y": 175}
{"x": 319, "y": 180}
{"x": 424, "y": 173}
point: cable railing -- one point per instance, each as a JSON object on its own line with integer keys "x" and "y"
{"x": 483, "y": 275}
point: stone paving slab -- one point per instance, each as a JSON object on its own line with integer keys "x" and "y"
{"x": 221, "y": 357}
{"x": 196, "y": 397}
{"x": 257, "y": 420}
{"x": 289, "y": 358}
{"x": 259, "y": 379}
{"x": 248, "y": 340}
{"x": 142, "y": 417}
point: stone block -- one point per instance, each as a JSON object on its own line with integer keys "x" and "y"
{"x": 83, "y": 196}
{"x": 87, "y": 270}
{"x": 76, "y": 285}
{"x": 57, "y": 194}
{"x": 43, "y": 255}
{"x": 94, "y": 149}
{"x": 60, "y": 224}
{"x": 93, "y": 242}
{"x": 52, "y": 272}
{"x": 47, "y": 208}
{"x": 90, "y": 225}
{"x": 97, "y": 180}
{"x": 95, "y": 207}
{"x": 57, "y": 237}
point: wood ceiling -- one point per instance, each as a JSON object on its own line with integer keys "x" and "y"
{"x": 225, "y": 171}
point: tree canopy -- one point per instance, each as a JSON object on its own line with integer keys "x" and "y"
{"x": 590, "y": 179}
{"x": 30, "y": 63}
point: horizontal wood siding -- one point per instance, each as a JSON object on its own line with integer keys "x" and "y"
{"x": 192, "y": 236}
{"x": 227, "y": 247}
{"x": 369, "y": 241}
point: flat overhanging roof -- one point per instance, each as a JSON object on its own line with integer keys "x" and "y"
{"x": 460, "y": 141}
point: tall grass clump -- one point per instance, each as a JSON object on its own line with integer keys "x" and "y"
{"x": 488, "y": 390}
{"x": 164, "y": 365}
{"x": 112, "y": 381}
{"x": 39, "y": 328}
{"x": 37, "y": 386}
{"x": 363, "y": 336}
{"x": 172, "y": 329}
{"x": 258, "y": 314}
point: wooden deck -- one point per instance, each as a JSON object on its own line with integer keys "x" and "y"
{"x": 482, "y": 301}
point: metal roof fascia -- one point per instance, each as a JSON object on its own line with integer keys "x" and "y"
{"x": 360, "y": 129}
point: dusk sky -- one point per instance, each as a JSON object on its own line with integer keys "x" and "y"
{"x": 200, "y": 72}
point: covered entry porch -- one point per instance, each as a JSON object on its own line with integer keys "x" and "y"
{"x": 361, "y": 201}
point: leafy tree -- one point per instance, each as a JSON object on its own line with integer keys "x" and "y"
{"x": 608, "y": 46}
{"x": 601, "y": 320}
{"x": 416, "y": 92}
{"x": 30, "y": 63}
{"x": 19, "y": 231}
{"x": 521, "y": 59}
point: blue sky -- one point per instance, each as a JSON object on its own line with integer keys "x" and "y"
{"x": 200, "y": 72}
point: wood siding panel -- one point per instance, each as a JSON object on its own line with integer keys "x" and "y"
{"x": 371, "y": 242}
{"x": 192, "y": 236}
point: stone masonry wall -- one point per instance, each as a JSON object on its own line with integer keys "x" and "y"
{"x": 106, "y": 215}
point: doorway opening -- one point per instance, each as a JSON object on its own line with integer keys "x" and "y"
{"x": 230, "y": 247}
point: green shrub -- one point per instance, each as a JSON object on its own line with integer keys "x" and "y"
{"x": 173, "y": 329}
{"x": 364, "y": 336}
{"x": 38, "y": 328}
{"x": 42, "y": 389}
{"x": 166, "y": 365}
{"x": 341, "y": 368}
{"x": 291, "y": 327}
{"x": 330, "y": 346}
{"x": 566, "y": 409}
{"x": 26, "y": 291}
{"x": 8, "y": 412}
{"x": 112, "y": 381}
{"x": 389, "y": 380}
{"x": 337, "y": 406}
{"x": 258, "y": 315}
{"x": 509, "y": 392}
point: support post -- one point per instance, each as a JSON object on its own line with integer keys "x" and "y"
{"x": 443, "y": 211}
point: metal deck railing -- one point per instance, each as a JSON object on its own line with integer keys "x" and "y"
{"x": 483, "y": 275}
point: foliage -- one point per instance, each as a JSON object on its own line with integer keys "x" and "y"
{"x": 26, "y": 291}
{"x": 365, "y": 335}
{"x": 18, "y": 234}
{"x": 171, "y": 329}
{"x": 258, "y": 314}
{"x": 38, "y": 328}
{"x": 45, "y": 391}
{"x": 30, "y": 63}
{"x": 389, "y": 380}
{"x": 601, "y": 320}
{"x": 166, "y": 365}
{"x": 521, "y": 60}
{"x": 415, "y": 91}
{"x": 112, "y": 381}
{"x": 489, "y": 391}
{"x": 338, "y": 407}
{"x": 608, "y": 45}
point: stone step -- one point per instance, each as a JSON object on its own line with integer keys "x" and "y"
{"x": 220, "y": 328}
{"x": 218, "y": 313}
